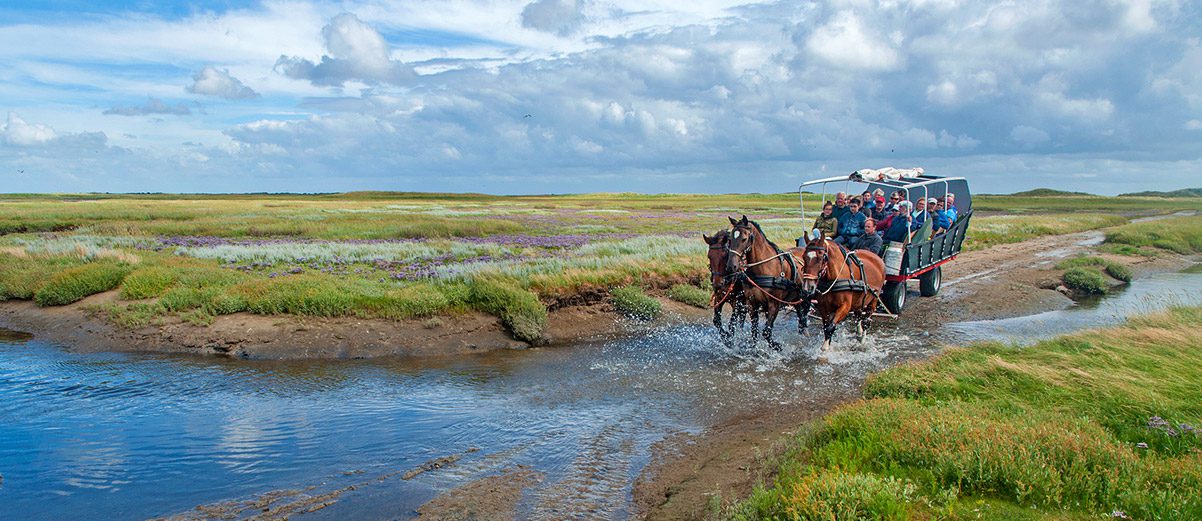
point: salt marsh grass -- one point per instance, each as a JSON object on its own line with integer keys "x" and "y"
{"x": 1178, "y": 234}
{"x": 1080, "y": 426}
{"x": 414, "y": 255}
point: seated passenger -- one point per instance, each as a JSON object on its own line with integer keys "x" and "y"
{"x": 826, "y": 221}
{"x": 868, "y": 240}
{"x": 852, "y": 225}
{"x": 939, "y": 220}
{"x": 884, "y": 224}
{"x": 921, "y": 216}
{"x": 840, "y": 206}
{"x": 899, "y": 224}
{"x": 950, "y": 204}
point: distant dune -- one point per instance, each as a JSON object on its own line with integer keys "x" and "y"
{"x": 1184, "y": 192}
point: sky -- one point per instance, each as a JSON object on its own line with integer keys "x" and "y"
{"x": 568, "y": 96}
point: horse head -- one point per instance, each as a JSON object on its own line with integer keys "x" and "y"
{"x": 815, "y": 263}
{"x": 717, "y": 254}
{"x": 742, "y": 238}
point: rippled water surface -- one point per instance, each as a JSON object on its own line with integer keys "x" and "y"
{"x": 132, "y": 436}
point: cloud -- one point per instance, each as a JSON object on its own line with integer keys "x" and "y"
{"x": 846, "y": 42}
{"x": 18, "y": 133}
{"x": 211, "y": 81}
{"x": 1193, "y": 124}
{"x": 357, "y": 52}
{"x": 152, "y": 106}
{"x": 1029, "y": 136}
{"x": 560, "y": 17}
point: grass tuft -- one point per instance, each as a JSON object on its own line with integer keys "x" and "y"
{"x": 1179, "y": 234}
{"x": 73, "y": 284}
{"x": 690, "y": 294}
{"x": 1085, "y": 280}
{"x": 520, "y": 310}
{"x": 1114, "y": 269}
{"x": 632, "y": 302}
{"x": 147, "y": 282}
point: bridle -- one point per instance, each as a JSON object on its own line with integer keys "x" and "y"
{"x": 826, "y": 264}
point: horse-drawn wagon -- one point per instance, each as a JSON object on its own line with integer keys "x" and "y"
{"x": 922, "y": 255}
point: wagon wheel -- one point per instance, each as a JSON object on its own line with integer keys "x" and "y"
{"x": 930, "y": 282}
{"x": 894, "y": 297}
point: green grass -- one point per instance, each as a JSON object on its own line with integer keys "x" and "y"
{"x": 659, "y": 246}
{"x": 1114, "y": 269}
{"x": 690, "y": 294}
{"x": 632, "y": 302}
{"x": 1052, "y": 431}
{"x": 73, "y": 284}
{"x": 1177, "y": 234}
{"x": 991, "y": 230}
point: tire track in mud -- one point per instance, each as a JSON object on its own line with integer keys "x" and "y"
{"x": 597, "y": 484}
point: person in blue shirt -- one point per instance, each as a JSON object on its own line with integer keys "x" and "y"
{"x": 851, "y": 225}
{"x": 940, "y": 221}
{"x": 920, "y": 217}
{"x": 899, "y": 227}
{"x": 950, "y": 204}
{"x": 840, "y": 211}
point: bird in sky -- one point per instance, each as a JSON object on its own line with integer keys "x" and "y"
{"x": 528, "y": 116}
{"x": 20, "y": 171}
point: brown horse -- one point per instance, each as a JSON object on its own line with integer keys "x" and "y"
{"x": 843, "y": 284}
{"x": 726, "y": 290}
{"x": 771, "y": 277}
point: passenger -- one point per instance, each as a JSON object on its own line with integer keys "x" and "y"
{"x": 826, "y": 222}
{"x": 950, "y": 204}
{"x": 868, "y": 205}
{"x": 894, "y": 199}
{"x": 899, "y": 224}
{"x": 878, "y": 196}
{"x": 921, "y": 216}
{"x": 840, "y": 206}
{"x": 883, "y": 224}
{"x": 940, "y": 222}
{"x": 852, "y": 225}
{"x": 869, "y": 240}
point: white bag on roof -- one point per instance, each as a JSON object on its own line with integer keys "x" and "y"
{"x": 869, "y": 174}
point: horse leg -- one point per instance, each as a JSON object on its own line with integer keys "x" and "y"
{"x": 740, "y": 307}
{"x": 722, "y": 333}
{"x": 828, "y": 330}
{"x": 803, "y": 316}
{"x": 755, "y": 323}
{"x": 769, "y": 321}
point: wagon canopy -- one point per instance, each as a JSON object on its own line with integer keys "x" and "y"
{"x": 917, "y": 188}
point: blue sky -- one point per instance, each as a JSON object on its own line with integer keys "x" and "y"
{"x": 555, "y": 96}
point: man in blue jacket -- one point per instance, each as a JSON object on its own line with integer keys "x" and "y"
{"x": 851, "y": 225}
{"x": 941, "y": 221}
{"x": 899, "y": 228}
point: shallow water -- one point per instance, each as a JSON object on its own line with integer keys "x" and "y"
{"x": 1143, "y": 295}
{"x": 131, "y": 436}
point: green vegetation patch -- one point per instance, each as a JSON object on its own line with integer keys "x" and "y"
{"x": 519, "y": 309}
{"x": 1114, "y": 269}
{"x": 148, "y": 282}
{"x": 690, "y": 294}
{"x": 991, "y": 230}
{"x": 73, "y": 284}
{"x": 22, "y": 276}
{"x": 1085, "y": 280}
{"x": 1178, "y": 234}
{"x": 1074, "y": 427}
{"x": 632, "y": 302}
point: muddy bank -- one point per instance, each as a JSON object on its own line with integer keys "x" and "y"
{"x": 250, "y": 336}
{"x": 693, "y": 474}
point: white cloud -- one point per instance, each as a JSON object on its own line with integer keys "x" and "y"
{"x": 211, "y": 81}
{"x": 1193, "y": 124}
{"x": 357, "y": 52}
{"x": 17, "y": 132}
{"x": 845, "y": 42}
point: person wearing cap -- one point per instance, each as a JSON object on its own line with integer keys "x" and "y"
{"x": 898, "y": 229}
{"x": 921, "y": 216}
{"x": 852, "y": 224}
{"x": 940, "y": 221}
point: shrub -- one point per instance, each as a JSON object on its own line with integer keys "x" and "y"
{"x": 146, "y": 283}
{"x": 690, "y": 294}
{"x": 518, "y": 309}
{"x": 632, "y": 302}
{"x": 73, "y": 284}
{"x": 298, "y": 295}
{"x": 831, "y": 494}
{"x": 1085, "y": 280}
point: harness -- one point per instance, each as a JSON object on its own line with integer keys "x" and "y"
{"x": 767, "y": 282}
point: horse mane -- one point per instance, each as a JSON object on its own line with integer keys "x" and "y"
{"x": 765, "y": 236}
